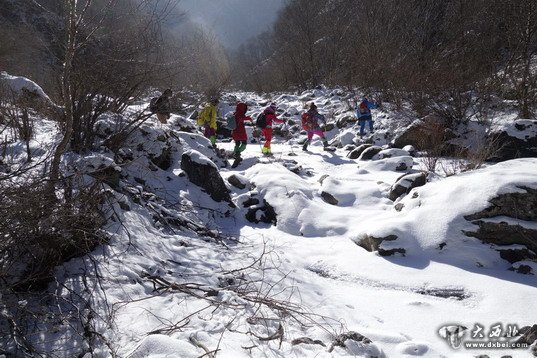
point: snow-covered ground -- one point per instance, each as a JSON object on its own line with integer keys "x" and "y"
{"x": 251, "y": 290}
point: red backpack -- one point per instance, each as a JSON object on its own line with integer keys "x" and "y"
{"x": 307, "y": 121}
{"x": 363, "y": 108}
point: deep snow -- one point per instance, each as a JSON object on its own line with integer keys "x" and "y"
{"x": 309, "y": 259}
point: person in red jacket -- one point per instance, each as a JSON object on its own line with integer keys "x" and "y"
{"x": 239, "y": 133}
{"x": 270, "y": 117}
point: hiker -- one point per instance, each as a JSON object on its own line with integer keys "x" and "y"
{"x": 310, "y": 123}
{"x": 270, "y": 117}
{"x": 207, "y": 119}
{"x": 239, "y": 133}
{"x": 162, "y": 106}
{"x": 363, "y": 113}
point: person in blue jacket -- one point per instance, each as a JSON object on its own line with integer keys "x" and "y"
{"x": 363, "y": 113}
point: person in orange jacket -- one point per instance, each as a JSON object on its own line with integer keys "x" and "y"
{"x": 270, "y": 117}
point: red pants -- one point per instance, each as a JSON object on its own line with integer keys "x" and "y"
{"x": 267, "y": 133}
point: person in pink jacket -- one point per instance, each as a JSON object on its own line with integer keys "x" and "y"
{"x": 270, "y": 117}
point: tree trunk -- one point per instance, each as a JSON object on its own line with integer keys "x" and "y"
{"x": 67, "y": 96}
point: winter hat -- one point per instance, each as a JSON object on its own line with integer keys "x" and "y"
{"x": 313, "y": 106}
{"x": 269, "y": 110}
{"x": 241, "y": 108}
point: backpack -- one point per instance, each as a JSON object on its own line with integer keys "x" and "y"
{"x": 153, "y": 105}
{"x": 231, "y": 122}
{"x": 363, "y": 108}
{"x": 261, "y": 121}
{"x": 307, "y": 121}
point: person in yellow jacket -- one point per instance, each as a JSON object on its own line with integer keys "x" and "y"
{"x": 207, "y": 120}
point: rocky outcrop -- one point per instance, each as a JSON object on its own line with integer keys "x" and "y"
{"x": 504, "y": 234}
{"x": 204, "y": 173}
{"x": 406, "y": 183}
{"x": 520, "y": 206}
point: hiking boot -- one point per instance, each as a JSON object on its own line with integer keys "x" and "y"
{"x": 305, "y": 147}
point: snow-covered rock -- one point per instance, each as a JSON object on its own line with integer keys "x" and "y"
{"x": 441, "y": 214}
{"x": 406, "y": 183}
{"x": 204, "y": 173}
{"x": 19, "y": 85}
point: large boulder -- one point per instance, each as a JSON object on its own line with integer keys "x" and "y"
{"x": 517, "y": 140}
{"x": 27, "y": 94}
{"x": 406, "y": 183}
{"x": 204, "y": 173}
{"x": 411, "y": 135}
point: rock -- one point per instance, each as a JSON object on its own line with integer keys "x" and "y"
{"x": 529, "y": 335}
{"x": 101, "y": 168}
{"x": 515, "y": 255}
{"x": 238, "y": 181}
{"x": 306, "y": 340}
{"x": 340, "y": 339}
{"x": 369, "y": 152}
{"x": 371, "y": 243}
{"x": 504, "y": 234}
{"x": 401, "y": 167}
{"x": 410, "y": 149}
{"x": 343, "y": 121}
{"x": 521, "y": 206}
{"x": 428, "y": 133}
{"x": 412, "y": 135}
{"x": 267, "y": 214}
{"x": 322, "y": 178}
{"x": 164, "y": 160}
{"x": 108, "y": 175}
{"x": 204, "y": 173}
{"x": 329, "y": 126}
{"x": 391, "y": 153}
{"x": 406, "y": 183}
{"x": 523, "y": 269}
{"x": 355, "y": 153}
{"x": 506, "y": 146}
{"x": 250, "y": 202}
{"x": 329, "y": 198}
